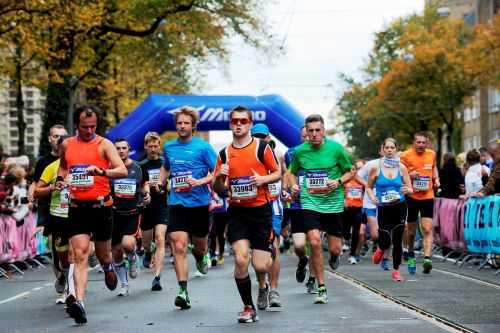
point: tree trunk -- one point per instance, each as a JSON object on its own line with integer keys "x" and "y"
{"x": 21, "y": 124}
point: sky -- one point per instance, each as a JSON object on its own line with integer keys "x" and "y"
{"x": 318, "y": 40}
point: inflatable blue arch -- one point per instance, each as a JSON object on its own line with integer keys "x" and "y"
{"x": 156, "y": 114}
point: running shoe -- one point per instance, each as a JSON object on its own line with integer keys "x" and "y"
{"x": 352, "y": 260}
{"x": 377, "y": 256}
{"x": 220, "y": 261}
{"x": 248, "y": 315}
{"x": 61, "y": 298}
{"x": 124, "y": 290}
{"x": 202, "y": 265}
{"x": 427, "y": 266}
{"x": 334, "y": 261}
{"x": 358, "y": 258}
{"x": 69, "y": 300}
{"x": 385, "y": 264}
{"x": 146, "y": 261}
{"x": 60, "y": 283}
{"x": 190, "y": 247}
{"x": 263, "y": 298}
{"x": 300, "y": 273}
{"x": 182, "y": 300}
{"x": 77, "y": 312}
{"x": 213, "y": 261}
{"x": 133, "y": 267}
{"x": 311, "y": 286}
{"x": 110, "y": 278}
{"x": 345, "y": 248}
{"x": 412, "y": 265}
{"x": 322, "y": 297}
{"x": 396, "y": 276}
{"x": 274, "y": 300}
{"x": 156, "y": 285}
{"x": 93, "y": 262}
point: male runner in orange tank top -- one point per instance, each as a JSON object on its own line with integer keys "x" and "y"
{"x": 87, "y": 161}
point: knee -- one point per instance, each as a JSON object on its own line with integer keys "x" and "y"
{"x": 180, "y": 248}
{"x": 128, "y": 245}
{"x": 242, "y": 260}
{"x": 315, "y": 241}
{"x": 80, "y": 255}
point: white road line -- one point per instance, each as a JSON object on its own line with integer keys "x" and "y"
{"x": 463, "y": 277}
{"x": 15, "y": 297}
{"x": 36, "y": 288}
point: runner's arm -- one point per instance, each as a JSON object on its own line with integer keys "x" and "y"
{"x": 117, "y": 169}
{"x": 407, "y": 187}
{"x": 42, "y": 189}
{"x": 372, "y": 174}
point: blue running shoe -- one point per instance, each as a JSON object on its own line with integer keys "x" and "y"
{"x": 385, "y": 265}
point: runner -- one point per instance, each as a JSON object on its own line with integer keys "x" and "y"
{"x": 57, "y": 225}
{"x": 392, "y": 182}
{"x": 247, "y": 166}
{"x": 268, "y": 295}
{"x": 218, "y": 229}
{"x": 298, "y": 228}
{"x": 189, "y": 162}
{"x": 43, "y": 206}
{"x": 89, "y": 160}
{"x": 127, "y": 197}
{"x": 353, "y": 214}
{"x": 155, "y": 214}
{"x": 326, "y": 165}
{"x": 421, "y": 164}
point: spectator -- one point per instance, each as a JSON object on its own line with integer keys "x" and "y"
{"x": 486, "y": 158}
{"x": 452, "y": 180}
{"x": 475, "y": 173}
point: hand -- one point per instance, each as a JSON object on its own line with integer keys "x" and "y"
{"x": 295, "y": 190}
{"x": 38, "y": 229}
{"x": 257, "y": 179}
{"x": 406, "y": 190}
{"x": 413, "y": 175}
{"x": 333, "y": 184}
{"x": 224, "y": 170}
{"x": 94, "y": 171}
{"x": 147, "y": 198}
{"x": 285, "y": 196}
{"x": 477, "y": 195}
{"x": 437, "y": 183}
{"x": 463, "y": 196}
{"x": 194, "y": 182}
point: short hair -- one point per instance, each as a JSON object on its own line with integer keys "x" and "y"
{"x": 449, "y": 159}
{"x": 88, "y": 110}
{"x": 151, "y": 136}
{"x": 122, "y": 140}
{"x": 188, "y": 111}
{"x": 483, "y": 150}
{"x": 473, "y": 157}
{"x": 390, "y": 140}
{"x": 56, "y": 126}
{"x": 241, "y": 108}
{"x": 314, "y": 118}
{"x": 421, "y": 133}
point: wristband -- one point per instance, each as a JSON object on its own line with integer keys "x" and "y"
{"x": 59, "y": 179}
{"x": 103, "y": 172}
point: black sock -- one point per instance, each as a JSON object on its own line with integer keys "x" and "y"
{"x": 427, "y": 257}
{"x": 411, "y": 254}
{"x": 245, "y": 289}
{"x": 157, "y": 278}
{"x": 312, "y": 279}
{"x": 197, "y": 256}
{"x": 321, "y": 285}
{"x": 183, "y": 285}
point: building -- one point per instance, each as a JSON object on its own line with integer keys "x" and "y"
{"x": 482, "y": 119}
{"x": 34, "y": 103}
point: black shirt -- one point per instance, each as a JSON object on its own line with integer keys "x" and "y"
{"x": 126, "y": 191}
{"x": 151, "y": 172}
{"x": 450, "y": 178}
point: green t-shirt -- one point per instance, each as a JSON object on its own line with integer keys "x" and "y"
{"x": 58, "y": 199}
{"x": 328, "y": 162}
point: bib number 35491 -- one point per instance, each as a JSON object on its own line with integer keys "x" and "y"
{"x": 79, "y": 177}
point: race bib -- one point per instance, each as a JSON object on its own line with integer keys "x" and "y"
{"x": 421, "y": 183}
{"x": 354, "y": 193}
{"x": 179, "y": 181}
{"x": 274, "y": 189}
{"x": 78, "y": 177}
{"x": 242, "y": 189}
{"x": 390, "y": 196}
{"x": 125, "y": 188}
{"x": 154, "y": 175}
{"x": 316, "y": 182}
{"x": 64, "y": 198}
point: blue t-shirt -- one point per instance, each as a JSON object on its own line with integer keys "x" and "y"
{"x": 195, "y": 159}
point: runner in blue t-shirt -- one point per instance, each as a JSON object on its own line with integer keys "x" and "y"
{"x": 188, "y": 166}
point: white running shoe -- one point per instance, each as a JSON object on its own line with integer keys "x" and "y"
{"x": 352, "y": 260}
{"x": 124, "y": 290}
{"x": 61, "y": 298}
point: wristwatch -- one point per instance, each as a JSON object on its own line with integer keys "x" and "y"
{"x": 103, "y": 172}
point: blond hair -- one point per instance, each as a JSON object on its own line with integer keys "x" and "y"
{"x": 188, "y": 111}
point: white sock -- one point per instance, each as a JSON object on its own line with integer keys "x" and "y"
{"x": 71, "y": 280}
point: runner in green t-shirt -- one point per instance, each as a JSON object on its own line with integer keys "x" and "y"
{"x": 326, "y": 166}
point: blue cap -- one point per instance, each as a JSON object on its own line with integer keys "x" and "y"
{"x": 260, "y": 129}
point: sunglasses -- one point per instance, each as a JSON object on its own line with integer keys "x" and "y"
{"x": 242, "y": 121}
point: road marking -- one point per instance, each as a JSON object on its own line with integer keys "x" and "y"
{"x": 468, "y": 278}
{"x": 443, "y": 323}
{"x": 15, "y": 297}
{"x": 36, "y": 288}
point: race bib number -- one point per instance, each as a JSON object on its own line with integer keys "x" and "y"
{"x": 125, "y": 188}
{"x": 78, "y": 177}
{"x": 154, "y": 176}
{"x": 242, "y": 189}
{"x": 64, "y": 198}
{"x": 316, "y": 182}
{"x": 354, "y": 193}
{"x": 390, "y": 197}
{"x": 421, "y": 183}
{"x": 274, "y": 189}
{"x": 180, "y": 181}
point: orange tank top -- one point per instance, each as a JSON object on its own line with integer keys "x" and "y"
{"x": 424, "y": 165}
{"x": 353, "y": 194}
{"x": 80, "y": 155}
